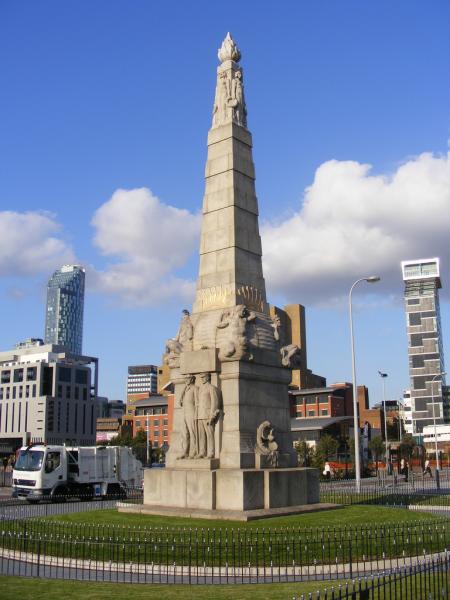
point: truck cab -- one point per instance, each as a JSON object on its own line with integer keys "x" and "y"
{"x": 39, "y": 471}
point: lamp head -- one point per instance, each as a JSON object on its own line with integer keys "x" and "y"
{"x": 373, "y": 279}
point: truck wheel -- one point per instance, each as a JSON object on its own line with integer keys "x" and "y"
{"x": 59, "y": 495}
{"x": 116, "y": 492}
{"x": 87, "y": 494}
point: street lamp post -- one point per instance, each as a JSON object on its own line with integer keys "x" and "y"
{"x": 383, "y": 379}
{"x": 148, "y": 443}
{"x": 371, "y": 279}
{"x": 435, "y": 431}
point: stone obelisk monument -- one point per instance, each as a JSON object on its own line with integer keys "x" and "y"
{"x": 231, "y": 446}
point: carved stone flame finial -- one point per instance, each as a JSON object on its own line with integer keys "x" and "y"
{"x": 229, "y": 50}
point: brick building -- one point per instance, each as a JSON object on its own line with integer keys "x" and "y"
{"x": 154, "y": 415}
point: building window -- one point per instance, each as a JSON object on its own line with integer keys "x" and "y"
{"x": 84, "y": 393}
{"x": 64, "y": 374}
{"x": 68, "y": 391}
{"x": 165, "y": 433}
{"x": 415, "y": 318}
{"x": 156, "y": 434}
{"x": 156, "y": 423}
{"x": 77, "y": 393}
{"x": 31, "y": 373}
{"x": 311, "y": 413}
{"x": 34, "y": 390}
{"x": 59, "y": 391}
{"x": 27, "y": 391}
{"x": 165, "y": 422}
{"x": 324, "y": 412}
{"x": 417, "y": 361}
{"x": 138, "y": 423}
{"x": 155, "y": 444}
{"x": 1, "y": 393}
{"x": 7, "y": 393}
{"x": 310, "y": 400}
{"x": 18, "y": 376}
{"x": 14, "y": 391}
{"x": 20, "y": 391}
{"x": 6, "y": 377}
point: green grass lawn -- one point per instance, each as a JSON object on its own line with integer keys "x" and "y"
{"x": 41, "y": 589}
{"x": 347, "y": 516}
{"x": 346, "y": 534}
{"x": 36, "y": 589}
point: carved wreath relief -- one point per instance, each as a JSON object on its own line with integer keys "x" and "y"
{"x": 202, "y": 407}
{"x": 266, "y": 444}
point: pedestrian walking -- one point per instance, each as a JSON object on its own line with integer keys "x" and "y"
{"x": 427, "y": 469}
{"x": 327, "y": 470}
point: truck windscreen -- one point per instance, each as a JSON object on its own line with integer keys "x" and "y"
{"x": 29, "y": 460}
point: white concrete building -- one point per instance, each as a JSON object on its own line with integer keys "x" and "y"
{"x": 47, "y": 394}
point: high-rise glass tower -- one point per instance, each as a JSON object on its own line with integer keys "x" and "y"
{"x": 425, "y": 351}
{"x": 65, "y": 306}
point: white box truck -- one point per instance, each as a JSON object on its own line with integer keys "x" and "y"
{"x": 56, "y": 472}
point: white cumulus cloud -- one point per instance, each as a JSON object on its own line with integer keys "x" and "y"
{"x": 31, "y": 244}
{"x": 353, "y": 223}
{"x": 146, "y": 242}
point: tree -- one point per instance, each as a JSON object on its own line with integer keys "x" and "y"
{"x": 305, "y": 453}
{"x": 139, "y": 440}
{"x": 376, "y": 447}
{"x": 326, "y": 449}
{"x": 122, "y": 439}
{"x": 407, "y": 446}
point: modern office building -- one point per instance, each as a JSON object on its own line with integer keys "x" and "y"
{"x": 47, "y": 394}
{"x": 65, "y": 307}
{"x": 426, "y": 357}
{"x": 142, "y": 383}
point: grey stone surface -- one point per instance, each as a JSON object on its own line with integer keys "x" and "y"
{"x": 227, "y": 515}
{"x": 230, "y": 338}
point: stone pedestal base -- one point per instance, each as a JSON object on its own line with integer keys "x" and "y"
{"x": 230, "y": 489}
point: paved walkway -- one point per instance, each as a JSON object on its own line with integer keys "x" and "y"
{"x": 15, "y": 562}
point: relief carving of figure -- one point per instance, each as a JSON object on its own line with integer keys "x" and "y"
{"x": 208, "y": 412}
{"x": 221, "y": 110}
{"x": 182, "y": 341}
{"x": 290, "y": 356}
{"x": 276, "y": 325}
{"x": 236, "y": 319}
{"x": 237, "y": 98}
{"x": 266, "y": 444}
{"x": 189, "y": 401}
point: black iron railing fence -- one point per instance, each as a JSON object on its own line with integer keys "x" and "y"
{"x": 93, "y": 551}
{"x": 427, "y": 580}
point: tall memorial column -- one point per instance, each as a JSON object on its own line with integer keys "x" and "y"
{"x": 231, "y": 446}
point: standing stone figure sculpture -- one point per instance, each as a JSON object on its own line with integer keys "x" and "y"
{"x": 208, "y": 413}
{"x": 236, "y": 319}
{"x": 185, "y": 333}
{"x": 182, "y": 341}
{"x": 189, "y": 401}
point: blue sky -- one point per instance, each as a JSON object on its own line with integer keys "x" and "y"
{"x": 103, "y": 96}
